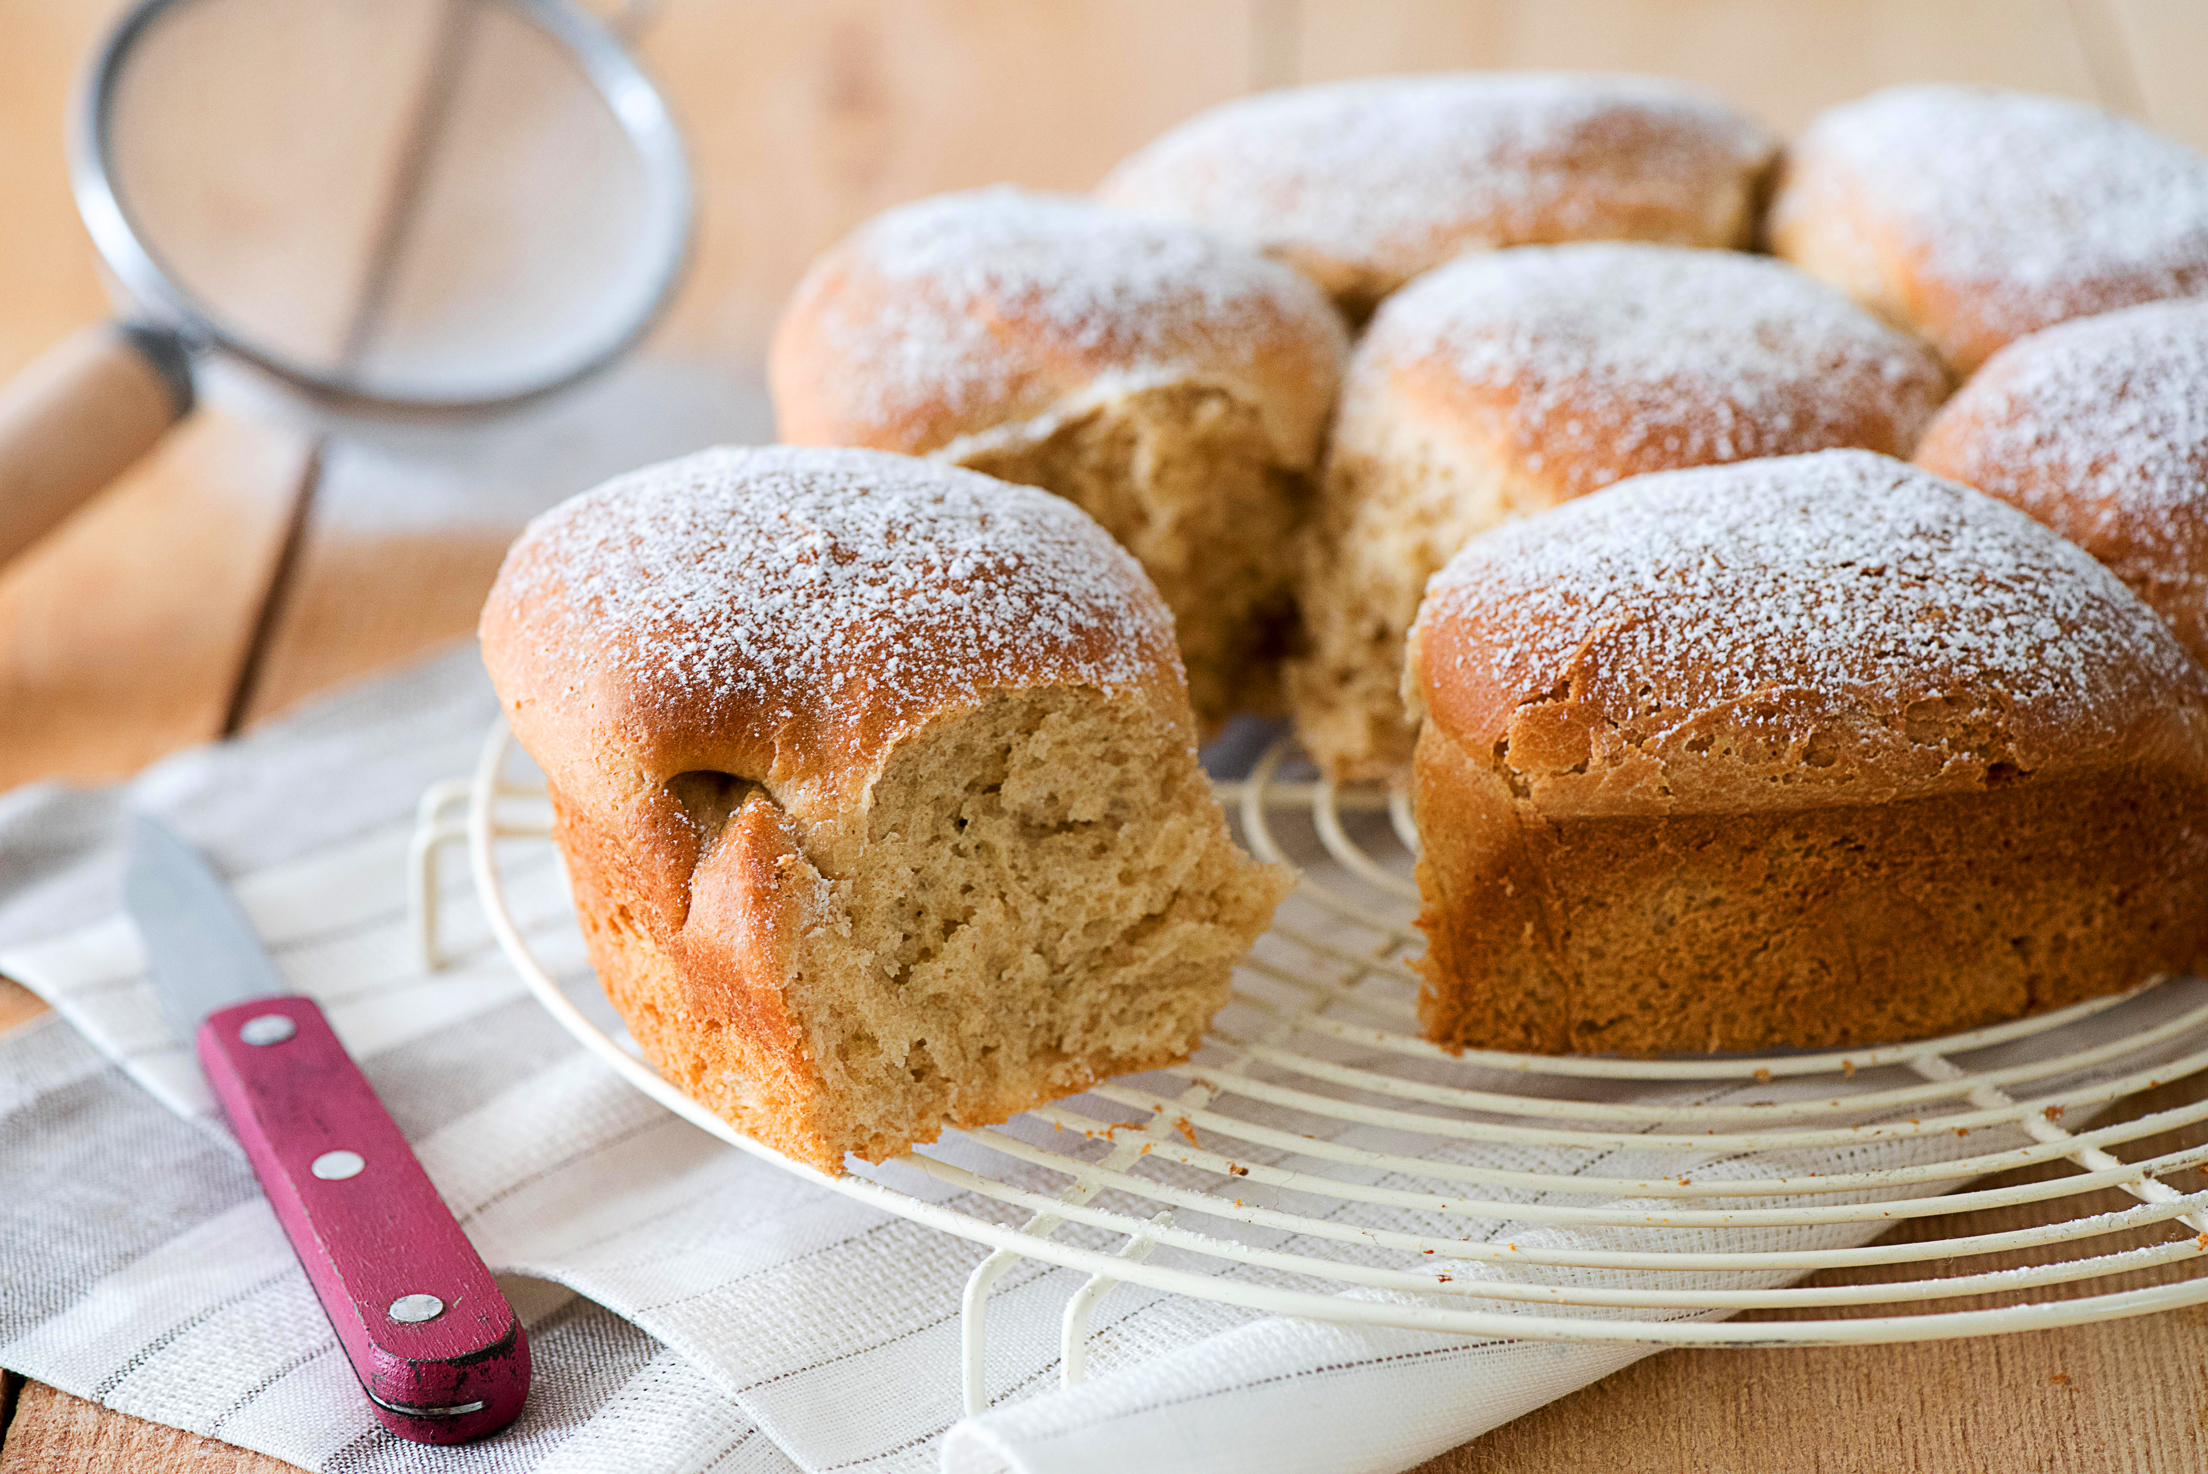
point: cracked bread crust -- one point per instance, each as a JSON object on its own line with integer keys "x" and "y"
{"x": 1761, "y": 756}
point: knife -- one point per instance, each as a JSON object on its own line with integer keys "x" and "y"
{"x": 441, "y": 1355}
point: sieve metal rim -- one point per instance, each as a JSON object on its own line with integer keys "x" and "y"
{"x": 629, "y": 95}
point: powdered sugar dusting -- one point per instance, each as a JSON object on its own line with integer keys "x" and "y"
{"x": 1384, "y": 170}
{"x": 1122, "y": 291}
{"x": 2040, "y": 208}
{"x": 1614, "y": 359}
{"x": 1858, "y": 579}
{"x": 789, "y": 584}
{"x": 2099, "y": 424}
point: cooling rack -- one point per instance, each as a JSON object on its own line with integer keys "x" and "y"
{"x": 1319, "y": 1159}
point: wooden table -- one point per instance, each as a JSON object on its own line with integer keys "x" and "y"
{"x": 234, "y": 574}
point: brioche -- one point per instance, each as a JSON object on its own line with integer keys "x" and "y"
{"x": 1365, "y": 184}
{"x": 2099, "y": 428}
{"x": 1508, "y": 382}
{"x": 876, "y": 784}
{"x": 1813, "y": 751}
{"x": 1974, "y": 216}
{"x": 1171, "y": 383}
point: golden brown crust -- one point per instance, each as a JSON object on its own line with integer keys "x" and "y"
{"x": 1363, "y": 185}
{"x": 1831, "y": 628}
{"x": 1582, "y": 365}
{"x": 1810, "y": 751}
{"x": 1505, "y": 383}
{"x": 1818, "y": 928}
{"x": 788, "y": 616}
{"x": 706, "y": 997}
{"x": 1973, "y": 216}
{"x": 967, "y": 313}
{"x": 2099, "y": 428}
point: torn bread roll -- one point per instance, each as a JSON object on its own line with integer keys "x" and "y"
{"x": 1171, "y": 383}
{"x": 877, "y": 787}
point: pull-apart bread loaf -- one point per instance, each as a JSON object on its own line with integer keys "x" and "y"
{"x": 1365, "y": 184}
{"x": 1820, "y": 750}
{"x": 1974, "y": 216}
{"x": 1173, "y": 384}
{"x": 2099, "y": 428}
{"x": 1508, "y": 382}
{"x": 877, "y": 787}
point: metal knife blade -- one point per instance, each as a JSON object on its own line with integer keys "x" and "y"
{"x": 201, "y": 951}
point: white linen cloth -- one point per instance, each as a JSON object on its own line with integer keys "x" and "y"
{"x": 691, "y": 1307}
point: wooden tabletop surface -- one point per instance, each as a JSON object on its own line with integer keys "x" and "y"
{"x": 248, "y": 564}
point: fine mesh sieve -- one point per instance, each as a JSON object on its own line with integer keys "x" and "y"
{"x": 389, "y": 207}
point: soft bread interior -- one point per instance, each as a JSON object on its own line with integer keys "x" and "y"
{"x": 1047, "y": 896}
{"x": 1185, "y": 476}
{"x": 1398, "y": 502}
{"x": 1039, "y": 893}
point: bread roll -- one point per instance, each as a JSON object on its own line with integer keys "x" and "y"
{"x": 1820, "y": 750}
{"x": 2099, "y": 428}
{"x": 1509, "y": 382}
{"x": 877, "y": 789}
{"x": 1365, "y": 184}
{"x": 1173, "y": 384}
{"x": 1974, "y": 216}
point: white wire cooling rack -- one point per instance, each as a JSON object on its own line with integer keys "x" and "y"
{"x": 1319, "y": 1159}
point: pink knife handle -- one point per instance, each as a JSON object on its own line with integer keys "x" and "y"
{"x": 440, "y": 1352}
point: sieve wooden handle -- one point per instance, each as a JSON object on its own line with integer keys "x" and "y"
{"x": 78, "y": 416}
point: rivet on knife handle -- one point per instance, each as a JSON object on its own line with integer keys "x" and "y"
{"x": 440, "y": 1352}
